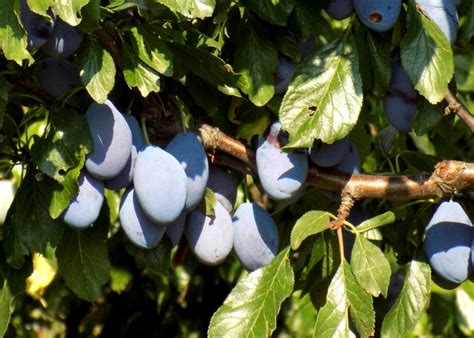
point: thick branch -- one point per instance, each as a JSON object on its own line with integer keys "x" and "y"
{"x": 456, "y": 107}
{"x": 448, "y": 177}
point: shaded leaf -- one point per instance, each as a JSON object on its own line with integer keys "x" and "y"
{"x": 4, "y": 89}
{"x": 138, "y": 74}
{"x": 466, "y": 29}
{"x": 156, "y": 261}
{"x": 310, "y": 223}
{"x": 379, "y": 53}
{"x": 275, "y": 12}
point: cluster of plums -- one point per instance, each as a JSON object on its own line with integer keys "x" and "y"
{"x": 449, "y": 245}
{"x": 163, "y": 191}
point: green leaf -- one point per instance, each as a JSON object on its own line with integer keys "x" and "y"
{"x": 466, "y": 28}
{"x": 4, "y": 89}
{"x": 253, "y": 121}
{"x": 28, "y": 226}
{"x": 324, "y": 98}
{"x": 69, "y": 11}
{"x": 256, "y": 59}
{"x": 274, "y": 11}
{"x": 12, "y": 36}
{"x": 138, "y": 74}
{"x": 83, "y": 260}
{"x": 251, "y": 308}
{"x": 412, "y": 300}
{"x": 370, "y": 267}
{"x": 426, "y": 56}
{"x": 379, "y": 53}
{"x": 427, "y": 116}
{"x": 307, "y": 17}
{"x": 90, "y": 16}
{"x": 151, "y": 50}
{"x": 67, "y": 140}
{"x": 311, "y": 223}
{"x": 377, "y": 221}
{"x": 156, "y": 261}
{"x": 208, "y": 203}
{"x": 345, "y": 293}
{"x": 97, "y": 69}
{"x": 465, "y": 308}
{"x": 119, "y": 279}
{"x": 191, "y": 8}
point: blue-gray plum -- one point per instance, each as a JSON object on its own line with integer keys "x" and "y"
{"x": 187, "y": 149}
{"x": 57, "y": 76}
{"x": 175, "y": 229}
{"x": 125, "y": 178}
{"x": 222, "y": 182}
{"x": 448, "y": 241}
{"x": 160, "y": 184}
{"x": 255, "y": 236}
{"x": 84, "y": 208}
{"x": 140, "y": 230}
{"x": 283, "y": 75}
{"x": 328, "y": 155}
{"x": 112, "y": 139}
{"x": 38, "y": 28}
{"x": 350, "y": 162}
{"x": 210, "y": 237}
{"x": 340, "y": 9}
{"x": 399, "y": 111}
{"x": 378, "y": 15}
{"x": 444, "y": 13}
{"x": 400, "y": 84}
{"x": 282, "y": 174}
{"x": 64, "y": 40}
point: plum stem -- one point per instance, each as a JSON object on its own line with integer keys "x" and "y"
{"x": 456, "y": 107}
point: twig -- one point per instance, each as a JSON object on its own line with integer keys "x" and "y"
{"x": 456, "y": 107}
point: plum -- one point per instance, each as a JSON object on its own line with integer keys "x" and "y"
{"x": 125, "y": 178}
{"x": 255, "y": 236}
{"x": 112, "y": 139}
{"x": 350, "y": 163}
{"x": 38, "y": 28}
{"x": 84, "y": 208}
{"x": 57, "y": 76}
{"x": 448, "y": 241}
{"x": 210, "y": 237}
{"x": 340, "y": 9}
{"x": 175, "y": 229}
{"x": 160, "y": 184}
{"x": 140, "y": 230}
{"x": 328, "y": 155}
{"x": 224, "y": 186}
{"x": 283, "y": 75}
{"x": 282, "y": 174}
{"x": 399, "y": 111}
{"x": 64, "y": 40}
{"x": 187, "y": 149}
{"x": 444, "y": 14}
{"x": 378, "y": 15}
{"x": 400, "y": 84}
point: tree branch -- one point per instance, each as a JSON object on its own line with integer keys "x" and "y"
{"x": 448, "y": 177}
{"x": 456, "y": 107}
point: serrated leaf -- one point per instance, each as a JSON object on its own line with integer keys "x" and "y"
{"x": 307, "y": 17}
{"x": 191, "y": 8}
{"x": 83, "y": 260}
{"x": 370, "y": 267}
{"x": 152, "y": 51}
{"x": 345, "y": 294}
{"x": 427, "y": 117}
{"x": 377, "y": 221}
{"x": 251, "y": 308}
{"x": 411, "y": 301}
{"x": 12, "y": 36}
{"x": 138, "y": 74}
{"x": 275, "y": 11}
{"x": 379, "y": 53}
{"x": 256, "y": 59}
{"x": 67, "y": 140}
{"x": 28, "y": 226}
{"x": 4, "y": 89}
{"x": 426, "y": 56}
{"x": 311, "y": 223}
{"x": 156, "y": 261}
{"x": 324, "y": 98}
{"x": 69, "y": 11}
{"x": 97, "y": 69}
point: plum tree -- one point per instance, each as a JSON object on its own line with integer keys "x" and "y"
{"x": 112, "y": 141}
{"x": 37, "y": 27}
{"x": 222, "y": 182}
{"x": 56, "y": 76}
{"x": 137, "y": 227}
{"x": 210, "y": 237}
{"x": 444, "y": 14}
{"x": 328, "y": 155}
{"x": 340, "y": 9}
{"x": 84, "y": 208}
{"x": 448, "y": 242}
{"x": 255, "y": 236}
{"x": 377, "y": 15}
{"x": 125, "y": 177}
{"x": 160, "y": 184}
{"x": 63, "y": 41}
{"x": 282, "y": 174}
{"x": 187, "y": 149}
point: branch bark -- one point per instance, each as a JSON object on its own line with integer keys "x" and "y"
{"x": 456, "y": 107}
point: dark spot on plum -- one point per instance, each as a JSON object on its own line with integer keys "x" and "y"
{"x": 375, "y": 17}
